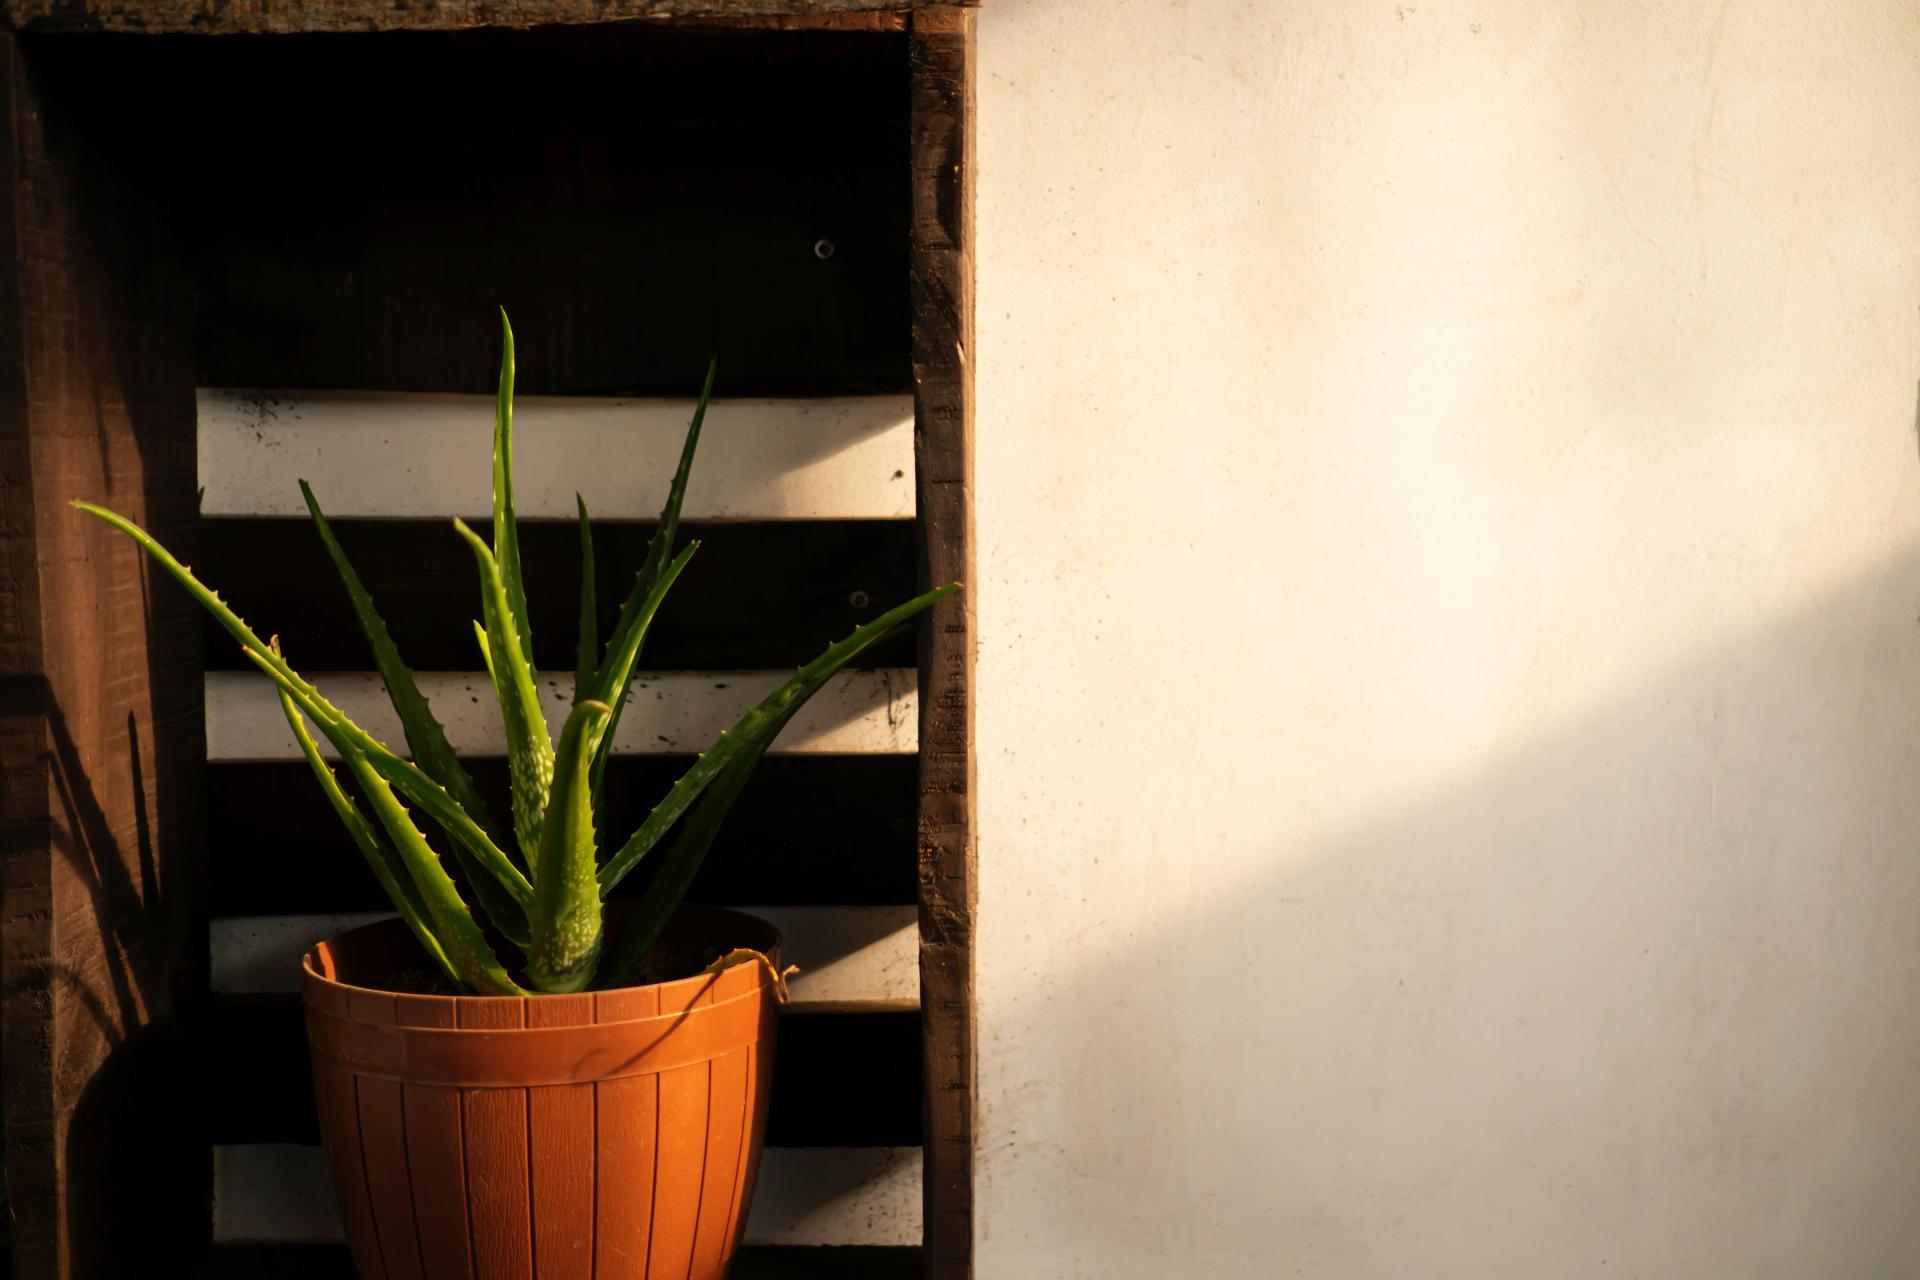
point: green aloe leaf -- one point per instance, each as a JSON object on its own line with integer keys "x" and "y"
{"x": 566, "y": 913}
{"x": 683, "y": 857}
{"x": 636, "y": 613}
{"x": 529, "y": 746}
{"x": 404, "y": 775}
{"x": 461, "y": 941}
{"x": 426, "y": 739}
{"x": 506, "y": 530}
{"x": 412, "y": 782}
{"x": 601, "y": 744}
{"x": 486, "y": 650}
{"x": 588, "y": 646}
{"x": 460, "y": 936}
{"x": 387, "y": 867}
{"x": 754, "y": 731}
{"x": 209, "y": 599}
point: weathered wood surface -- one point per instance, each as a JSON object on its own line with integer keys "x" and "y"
{"x": 671, "y": 713}
{"x": 757, "y": 596}
{"x": 941, "y": 53}
{"x": 882, "y": 20}
{"x": 633, "y": 220}
{"x": 841, "y": 1198}
{"x": 392, "y": 456}
{"x": 286, "y": 17}
{"x": 844, "y": 1079}
{"x": 852, "y": 959}
{"x": 90, "y": 345}
{"x": 807, "y": 831}
{"x": 103, "y": 938}
{"x": 753, "y": 1262}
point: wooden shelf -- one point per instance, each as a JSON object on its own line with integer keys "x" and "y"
{"x": 289, "y": 17}
{"x": 764, "y": 1262}
{"x": 644, "y": 191}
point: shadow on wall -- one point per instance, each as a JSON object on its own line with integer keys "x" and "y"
{"x": 1637, "y": 998}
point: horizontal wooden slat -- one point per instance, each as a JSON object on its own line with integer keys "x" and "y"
{"x": 631, "y": 219}
{"x": 840, "y": 1079}
{"x": 308, "y": 1261}
{"x": 849, "y": 957}
{"x": 409, "y": 456}
{"x": 837, "y": 1195}
{"x": 807, "y": 831}
{"x": 805, "y": 1195}
{"x": 756, "y": 595}
{"x": 873, "y": 712}
{"x": 294, "y": 17}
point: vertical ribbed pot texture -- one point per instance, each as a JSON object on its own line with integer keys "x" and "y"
{"x": 605, "y": 1135}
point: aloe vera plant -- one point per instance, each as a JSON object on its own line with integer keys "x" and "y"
{"x": 543, "y": 881}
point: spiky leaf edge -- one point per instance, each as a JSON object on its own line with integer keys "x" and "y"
{"x": 623, "y": 646}
{"x": 426, "y": 739}
{"x": 415, "y": 785}
{"x": 566, "y": 914}
{"x": 754, "y": 730}
{"x": 529, "y": 745}
{"x": 385, "y": 864}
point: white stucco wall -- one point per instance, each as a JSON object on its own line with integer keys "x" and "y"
{"x": 1449, "y": 680}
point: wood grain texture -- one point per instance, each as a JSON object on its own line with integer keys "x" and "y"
{"x": 882, "y": 20}
{"x": 844, "y": 1079}
{"x": 102, "y": 942}
{"x": 628, "y": 1110}
{"x": 436, "y": 1158}
{"x": 283, "y": 17}
{"x": 685, "y": 1098}
{"x": 562, "y": 1167}
{"x": 383, "y": 1152}
{"x": 527, "y": 1073}
{"x": 807, "y": 831}
{"x": 755, "y": 596}
{"x": 941, "y": 54}
{"x": 397, "y": 455}
{"x": 852, "y": 959}
{"x": 381, "y": 318}
{"x": 633, "y": 221}
{"x": 729, "y": 1107}
{"x": 805, "y": 1196}
{"x": 335, "y": 1095}
{"x": 303, "y": 1261}
{"x": 499, "y": 1173}
{"x": 669, "y": 713}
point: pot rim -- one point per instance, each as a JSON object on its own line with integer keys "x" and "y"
{"x": 687, "y": 917}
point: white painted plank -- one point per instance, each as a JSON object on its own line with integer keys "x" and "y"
{"x": 867, "y": 957}
{"x": 805, "y": 1196}
{"x": 850, "y": 956}
{"x": 869, "y": 712}
{"x": 273, "y": 1191}
{"x": 399, "y": 455}
{"x": 837, "y": 1195}
{"x": 260, "y": 955}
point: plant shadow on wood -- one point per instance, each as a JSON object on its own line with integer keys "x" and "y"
{"x": 142, "y": 1090}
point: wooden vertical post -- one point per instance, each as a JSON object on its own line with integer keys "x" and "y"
{"x": 941, "y": 56}
{"x": 102, "y": 935}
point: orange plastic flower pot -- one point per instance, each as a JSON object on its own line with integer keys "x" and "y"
{"x": 609, "y": 1134}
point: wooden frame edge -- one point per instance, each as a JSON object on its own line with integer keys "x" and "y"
{"x": 941, "y": 55}
{"x": 26, "y": 819}
{"x": 288, "y": 17}
{"x": 102, "y": 939}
